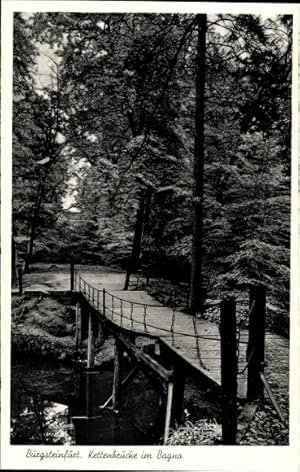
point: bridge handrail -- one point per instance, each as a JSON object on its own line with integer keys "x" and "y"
{"x": 179, "y": 333}
{"x": 132, "y": 301}
{"x": 145, "y": 305}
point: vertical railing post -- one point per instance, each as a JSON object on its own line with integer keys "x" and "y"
{"x": 20, "y": 278}
{"x": 72, "y": 277}
{"x": 256, "y": 343}
{"x": 103, "y": 302}
{"x": 229, "y": 370}
{"x": 98, "y": 299}
{"x": 91, "y": 344}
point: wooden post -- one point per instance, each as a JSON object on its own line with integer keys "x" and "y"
{"x": 178, "y": 394}
{"x": 116, "y": 393}
{"x": 78, "y": 326}
{"x": 20, "y": 277}
{"x": 101, "y": 333}
{"x": 256, "y": 344}
{"x": 72, "y": 277}
{"x": 87, "y": 396}
{"x": 229, "y": 370}
{"x": 188, "y": 298}
{"x": 91, "y": 345}
{"x": 168, "y": 411}
{"x": 103, "y": 302}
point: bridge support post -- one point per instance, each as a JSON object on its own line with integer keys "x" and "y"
{"x": 90, "y": 345}
{"x": 103, "y": 302}
{"x": 100, "y": 334}
{"x": 168, "y": 411}
{"x": 116, "y": 393}
{"x": 174, "y": 405}
{"x": 256, "y": 345}
{"x": 20, "y": 277}
{"x": 178, "y": 394}
{"x": 72, "y": 277}
{"x": 229, "y": 371}
{"x": 78, "y": 325}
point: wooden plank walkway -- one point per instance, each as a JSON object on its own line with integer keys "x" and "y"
{"x": 197, "y": 341}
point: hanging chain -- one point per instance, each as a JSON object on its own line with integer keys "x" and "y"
{"x": 121, "y": 311}
{"x": 145, "y": 314}
{"x": 112, "y": 307}
{"x": 247, "y": 363}
{"x": 172, "y": 325}
{"x": 197, "y": 340}
{"x": 131, "y": 314}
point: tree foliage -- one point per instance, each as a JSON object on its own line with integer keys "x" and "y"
{"x": 124, "y": 101}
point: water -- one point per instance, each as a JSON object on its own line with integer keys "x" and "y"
{"x": 55, "y": 404}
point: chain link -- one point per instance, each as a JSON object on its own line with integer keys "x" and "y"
{"x": 131, "y": 314}
{"x": 197, "y": 341}
{"x": 172, "y": 324}
{"x": 145, "y": 314}
{"x": 121, "y": 312}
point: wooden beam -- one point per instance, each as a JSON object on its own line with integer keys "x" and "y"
{"x": 178, "y": 394}
{"x": 101, "y": 333}
{"x": 168, "y": 411}
{"x": 116, "y": 393}
{"x": 90, "y": 345}
{"x": 256, "y": 345}
{"x": 78, "y": 325}
{"x": 144, "y": 358}
{"x": 72, "y": 277}
{"x": 124, "y": 382}
{"x": 245, "y": 418}
{"x": 271, "y": 396}
{"x": 228, "y": 371}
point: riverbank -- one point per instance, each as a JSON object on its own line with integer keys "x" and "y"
{"x": 43, "y": 325}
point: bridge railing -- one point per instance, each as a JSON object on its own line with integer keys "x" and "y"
{"x": 122, "y": 309}
{"x": 138, "y": 316}
{"x": 240, "y": 352}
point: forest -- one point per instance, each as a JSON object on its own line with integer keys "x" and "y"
{"x": 158, "y": 143}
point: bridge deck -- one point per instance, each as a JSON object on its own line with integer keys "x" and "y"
{"x": 197, "y": 341}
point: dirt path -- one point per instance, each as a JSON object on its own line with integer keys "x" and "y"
{"x": 57, "y": 277}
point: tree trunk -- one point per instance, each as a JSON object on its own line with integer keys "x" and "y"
{"x": 13, "y": 263}
{"x": 134, "y": 262}
{"x": 36, "y": 212}
{"x": 196, "y": 294}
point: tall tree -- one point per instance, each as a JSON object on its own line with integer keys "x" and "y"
{"x": 196, "y": 292}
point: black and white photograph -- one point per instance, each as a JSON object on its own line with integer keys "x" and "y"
{"x": 150, "y": 231}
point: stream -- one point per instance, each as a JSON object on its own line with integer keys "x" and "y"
{"x": 57, "y": 404}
